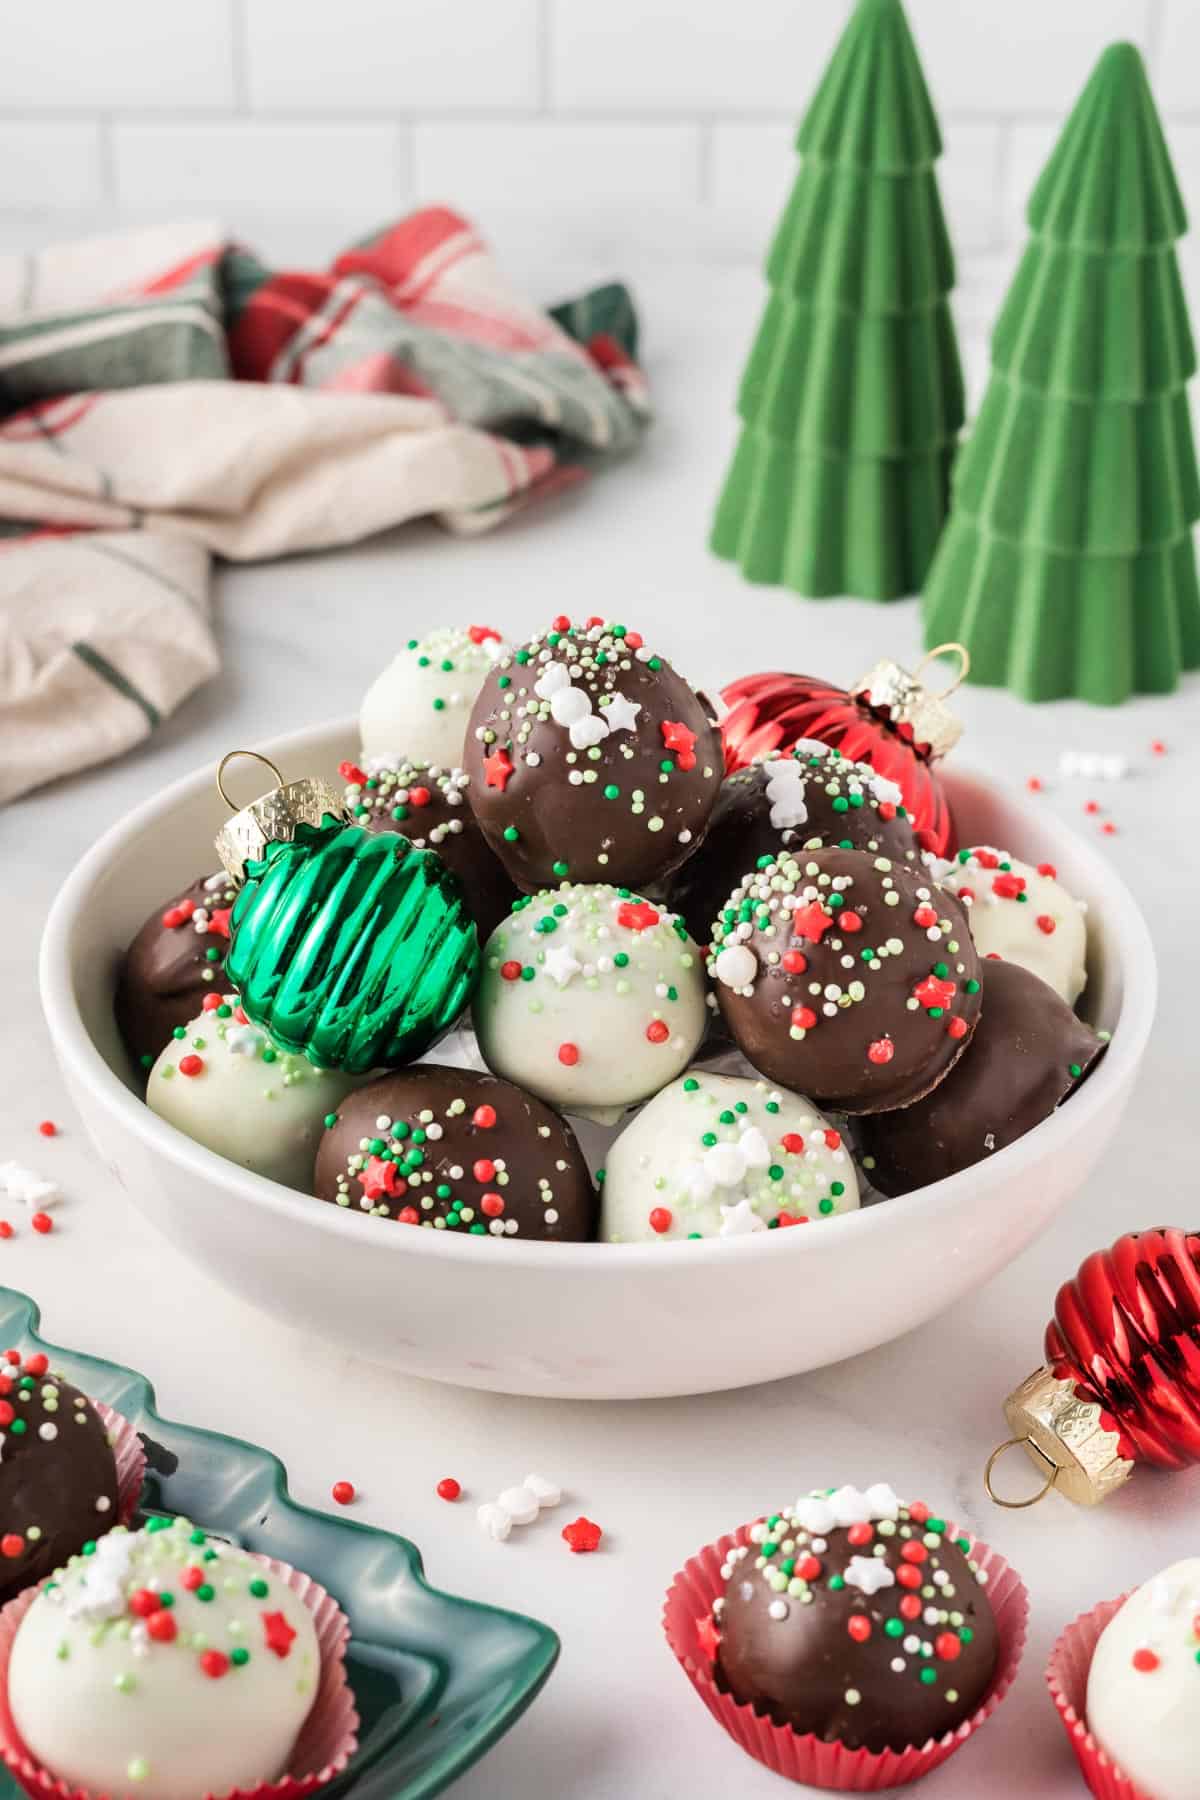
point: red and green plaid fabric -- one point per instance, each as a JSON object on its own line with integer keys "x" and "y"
{"x": 165, "y": 396}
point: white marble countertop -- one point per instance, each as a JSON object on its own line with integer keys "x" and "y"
{"x": 618, "y": 1721}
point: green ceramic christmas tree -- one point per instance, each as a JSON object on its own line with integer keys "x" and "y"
{"x": 1067, "y": 566}
{"x": 852, "y": 397}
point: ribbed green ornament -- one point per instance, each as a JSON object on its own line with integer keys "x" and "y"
{"x": 354, "y": 950}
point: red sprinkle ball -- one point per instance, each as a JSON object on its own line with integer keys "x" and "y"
{"x": 6, "y": 1229}
{"x": 568, "y": 1055}
{"x": 582, "y": 1535}
{"x": 448, "y": 1488}
{"x": 343, "y": 1492}
{"x": 510, "y": 971}
{"x": 214, "y": 1664}
{"x": 11, "y": 1545}
{"x": 1091, "y": 806}
{"x": 658, "y": 1031}
{"x": 48, "y": 1128}
{"x": 1157, "y": 747}
{"x": 660, "y": 1219}
{"x": 1108, "y": 828}
{"x": 191, "y": 1065}
{"x": 1145, "y": 1661}
{"x": 42, "y": 1222}
{"x": 1046, "y": 924}
{"x": 881, "y": 1051}
{"x": 1047, "y": 869}
{"x": 350, "y": 771}
{"x": 1034, "y": 784}
{"x": 484, "y": 1117}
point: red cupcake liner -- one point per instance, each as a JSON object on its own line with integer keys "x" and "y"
{"x": 804, "y": 1757}
{"x": 129, "y": 1453}
{"x": 327, "y": 1741}
{"x": 1067, "y": 1679}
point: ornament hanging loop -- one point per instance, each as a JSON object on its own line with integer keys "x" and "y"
{"x": 1018, "y": 1443}
{"x": 948, "y": 649}
{"x": 231, "y": 756}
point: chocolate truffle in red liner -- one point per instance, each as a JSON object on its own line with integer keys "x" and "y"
{"x": 858, "y": 1619}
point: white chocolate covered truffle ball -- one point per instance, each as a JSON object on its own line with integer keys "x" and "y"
{"x": 164, "y": 1664}
{"x": 229, "y": 1088}
{"x": 1143, "y": 1695}
{"x": 418, "y": 706}
{"x": 1023, "y": 914}
{"x": 721, "y": 1156}
{"x": 590, "y": 997}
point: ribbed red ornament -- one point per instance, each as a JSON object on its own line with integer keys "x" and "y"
{"x": 1126, "y": 1331}
{"x": 770, "y": 712}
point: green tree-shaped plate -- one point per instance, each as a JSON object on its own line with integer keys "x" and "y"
{"x": 436, "y": 1680}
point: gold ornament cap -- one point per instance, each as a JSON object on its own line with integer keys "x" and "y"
{"x": 273, "y": 817}
{"x": 1065, "y": 1440}
{"x": 909, "y": 702}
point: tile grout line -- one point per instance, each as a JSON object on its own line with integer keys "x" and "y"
{"x": 239, "y": 45}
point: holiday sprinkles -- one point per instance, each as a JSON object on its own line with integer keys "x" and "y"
{"x": 857, "y": 1617}
{"x": 590, "y": 758}
{"x": 203, "y": 1659}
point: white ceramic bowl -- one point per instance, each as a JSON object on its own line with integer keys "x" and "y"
{"x": 578, "y": 1320}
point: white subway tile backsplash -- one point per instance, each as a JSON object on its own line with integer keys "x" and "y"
{"x": 376, "y": 55}
{"x": 1018, "y": 56}
{"x": 113, "y": 54}
{"x": 319, "y": 169}
{"x": 1177, "y": 74}
{"x": 584, "y": 168}
{"x": 680, "y": 56}
{"x": 49, "y": 167}
{"x": 603, "y": 115}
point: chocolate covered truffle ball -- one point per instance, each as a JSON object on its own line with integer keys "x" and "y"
{"x": 812, "y": 798}
{"x": 1141, "y": 1691}
{"x": 846, "y": 977}
{"x": 721, "y": 1156}
{"x": 856, "y": 1618}
{"x": 164, "y": 1664}
{"x": 58, "y": 1477}
{"x": 173, "y": 962}
{"x": 456, "y": 1151}
{"x": 590, "y": 997}
{"x": 419, "y": 704}
{"x": 429, "y": 806}
{"x": 590, "y": 758}
{"x": 227, "y": 1086}
{"x": 1028, "y": 1054}
{"x": 1023, "y": 914}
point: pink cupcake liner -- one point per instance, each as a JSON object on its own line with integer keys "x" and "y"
{"x": 805, "y": 1757}
{"x": 130, "y": 1456}
{"x": 1067, "y": 1679}
{"x": 327, "y": 1740}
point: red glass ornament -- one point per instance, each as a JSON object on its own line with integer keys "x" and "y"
{"x": 1126, "y": 1331}
{"x": 769, "y": 712}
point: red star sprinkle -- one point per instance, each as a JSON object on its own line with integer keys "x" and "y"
{"x": 678, "y": 738}
{"x": 812, "y": 922}
{"x": 218, "y": 921}
{"x": 479, "y": 634}
{"x": 497, "y": 768}
{"x": 637, "y": 915}
{"x": 1008, "y": 886}
{"x": 934, "y": 992}
{"x": 707, "y": 1637}
{"x": 380, "y": 1178}
{"x": 175, "y": 916}
{"x": 582, "y": 1535}
{"x": 277, "y": 1634}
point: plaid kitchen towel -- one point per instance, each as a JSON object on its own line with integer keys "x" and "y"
{"x": 165, "y": 397}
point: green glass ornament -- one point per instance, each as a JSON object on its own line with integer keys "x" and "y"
{"x": 354, "y": 950}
